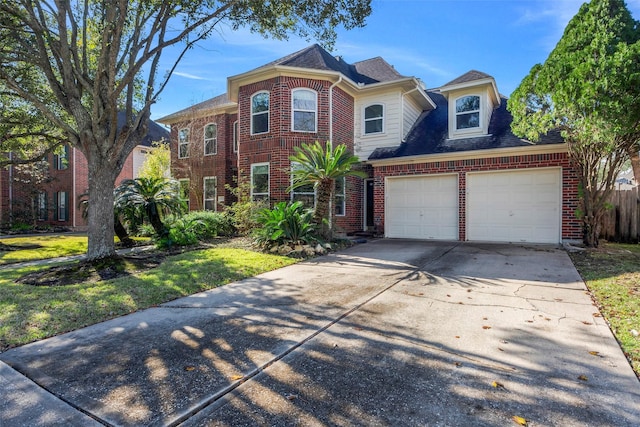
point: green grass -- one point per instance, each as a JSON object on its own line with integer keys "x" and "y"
{"x": 29, "y": 313}
{"x": 612, "y": 274}
{"x": 37, "y": 247}
{"x": 42, "y": 247}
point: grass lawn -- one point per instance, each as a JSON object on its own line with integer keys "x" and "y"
{"x": 43, "y": 246}
{"x": 29, "y": 313}
{"x": 612, "y": 274}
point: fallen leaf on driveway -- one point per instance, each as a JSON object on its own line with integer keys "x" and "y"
{"x": 497, "y": 385}
{"x": 583, "y": 378}
{"x": 587, "y": 323}
{"x": 594, "y": 353}
{"x": 596, "y": 314}
{"x": 189, "y": 368}
{"x": 237, "y": 377}
{"x": 458, "y": 364}
{"x": 519, "y": 420}
{"x": 486, "y": 327}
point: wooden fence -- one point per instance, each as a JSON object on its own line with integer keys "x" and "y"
{"x": 622, "y": 222}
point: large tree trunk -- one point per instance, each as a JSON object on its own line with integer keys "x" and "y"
{"x": 102, "y": 178}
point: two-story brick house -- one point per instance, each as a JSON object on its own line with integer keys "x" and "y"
{"x": 442, "y": 163}
{"x": 53, "y": 200}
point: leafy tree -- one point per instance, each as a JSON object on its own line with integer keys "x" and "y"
{"x": 158, "y": 162}
{"x": 321, "y": 167}
{"x": 101, "y": 56}
{"x": 589, "y": 89}
{"x": 151, "y": 198}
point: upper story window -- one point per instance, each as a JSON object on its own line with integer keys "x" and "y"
{"x": 260, "y": 113}
{"x": 210, "y": 139}
{"x": 304, "y": 104}
{"x": 61, "y": 161}
{"x": 374, "y": 119}
{"x": 183, "y": 143}
{"x": 468, "y": 112}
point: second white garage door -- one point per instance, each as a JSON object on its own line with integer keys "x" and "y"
{"x": 514, "y": 206}
{"x": 422, "y": 207}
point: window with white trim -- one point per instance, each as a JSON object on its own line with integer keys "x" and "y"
{"x": 210, "y": 192}
{"x": 61, "y": 213}
{"x": 374, "y": 119}
{"x": 259, "y": 181}
{"x": 235, "y": 136}
{"x": 260, "y": 113}
{"x": 41, "y": 203}
{"x": 185, "y": 186}
{"x": 183, "y": 143}
{"x": 304, "y": 103}
{"x": 339, "y": 197}
{"x": 210, "y": 139}
{"x": 61, "y": 160}
{"x": 468, "y": 112}
{"x": 305, "y": 193}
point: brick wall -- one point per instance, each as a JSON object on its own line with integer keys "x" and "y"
{"x": 197, "y": 166}
{"x": 278, "y": 144}
{"x": 571, "y": 226}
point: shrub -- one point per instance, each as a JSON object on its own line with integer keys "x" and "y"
{"x": 244, "y": 212}
{"x": 213, "y": 224}
{"x": 285, "y": 223}
{"x": 182, "y": 232}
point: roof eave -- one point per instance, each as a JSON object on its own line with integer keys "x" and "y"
{"x": 187, "y": 114}
{"x": 473, "y": 154}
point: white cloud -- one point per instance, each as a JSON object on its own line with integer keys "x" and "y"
{"x": 188, "y": 76}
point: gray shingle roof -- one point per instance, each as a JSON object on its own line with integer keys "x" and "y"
{"x": 314, "y": 57}
{"x": 430, "y": 134}
{"x": 155, "y": 132}
{"x": 469, "y": 76}
{"x": 194, "y": 109}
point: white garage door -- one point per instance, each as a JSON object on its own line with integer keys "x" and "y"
{"x": 514, "y": 206}
{"x": 422, "y": 207}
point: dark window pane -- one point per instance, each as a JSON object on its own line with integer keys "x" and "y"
{"x": 466, "y": 121}
{"x": 373, "y": 126}
{"x": 260, "y": 123}
{"x": 373, "y": 111}
{"x": 304, "y": 121}
{"x": 467, "y": 103}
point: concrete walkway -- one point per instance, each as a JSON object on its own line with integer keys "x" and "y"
{"x": 386, "y": 333}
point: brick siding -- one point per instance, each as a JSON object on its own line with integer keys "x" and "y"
{"x": 571, "y": 225}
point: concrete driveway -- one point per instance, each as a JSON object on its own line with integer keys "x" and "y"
{"x": 386, "y": 333}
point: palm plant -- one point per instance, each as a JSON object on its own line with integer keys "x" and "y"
{"x": 321, "y": 167}
{"x": 151, "y": 198}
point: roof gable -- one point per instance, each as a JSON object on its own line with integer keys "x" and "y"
{"x": 467, "y": 77}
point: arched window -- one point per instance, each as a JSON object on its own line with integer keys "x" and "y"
{"x": 260, "y": 113}
{"x": 304, "y": 103}
{"x": 468, "y": 112}
{"x": 374, "y": 119}
{"x": 210, "y": 139}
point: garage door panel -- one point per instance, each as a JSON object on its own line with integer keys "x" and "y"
{"x": 424, "y": 207}
{"x": 514, "y": 206}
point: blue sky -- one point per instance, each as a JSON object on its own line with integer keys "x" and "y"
{"x": 434, "y": 40}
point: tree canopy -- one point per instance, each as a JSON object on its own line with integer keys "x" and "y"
{"x": 589, "y": 88}
{"x": 76, "y": 63}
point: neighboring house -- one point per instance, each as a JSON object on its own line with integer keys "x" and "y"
{"x": 53, "y": 198}
{"x": 442, "y": 164}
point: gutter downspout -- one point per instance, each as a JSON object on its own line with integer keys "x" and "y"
{"x": 331, "y": 109}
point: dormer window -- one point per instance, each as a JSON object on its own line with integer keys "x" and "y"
{"x": 374, "y": 119}
{"x": 468, "y": 112}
